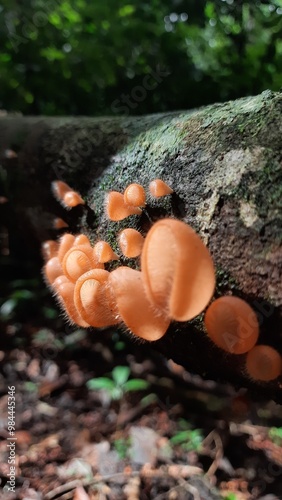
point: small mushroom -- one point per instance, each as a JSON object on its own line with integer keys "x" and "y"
{"x": 65, "y": 293}
{"x": 135, "y": 195}
{"x": 130, "y": 242}
{"x": 81, "y": 239}
{"x": 232, "y": 324}
{"x": 263, "y": 363}
{"x": 104, "y": 252}
{"x": 65, "y": 243}
{"x": 59, "y": 223}
{"x": 133, "y": 306}
{"x": 78, "y": 260}
{"x": 92, "y": 301}
{"x": 72, "y": 199}
{"x": 159, "y": 188}
{"x": 116, "y": 209}
{"x": 177, "y": 270}
{"x": 66, "y": 195}
{"x": 59, "y": 189}
{"x": 52, "y": 269}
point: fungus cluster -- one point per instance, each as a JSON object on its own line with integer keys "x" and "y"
{"x": 118, "y": 206}
{"x": 174, "y": 281}
{"x": 66, "y": 195}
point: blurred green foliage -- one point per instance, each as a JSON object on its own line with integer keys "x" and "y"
{"x": 135, "y": 56}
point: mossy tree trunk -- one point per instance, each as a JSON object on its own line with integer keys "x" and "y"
{"x": 225, "y": 164}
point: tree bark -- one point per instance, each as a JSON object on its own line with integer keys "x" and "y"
{"x": 224, "y": 163}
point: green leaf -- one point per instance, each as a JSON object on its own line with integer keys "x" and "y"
{"x": 231, "y": 496}
{"x": 180, "y": 437}
{"x": 119, "y": 346}
{"x": 149, "y": 399}
{"x": 22, "y": 294}
{"x": 55, "y": 19}
{"x": 120, "y": 374}
{"x": 136, "y": 384}
{"x": 127, "y": 10}
{"x": 209, "y": 10}
{"x": 275, "y": 434}
{"x": 100, "y": 383}
{"x": 30, "y": 386}
{"x": 52, "y": 54}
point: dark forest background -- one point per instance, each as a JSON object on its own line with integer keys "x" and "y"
{"x": 91, "y": 58}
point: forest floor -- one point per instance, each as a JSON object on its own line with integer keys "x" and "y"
{"x": 173, "y": 436}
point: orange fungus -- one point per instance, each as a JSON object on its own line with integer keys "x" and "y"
{"x": 263, "y": 363}
{"x": 82, "y": 239}
{"x": 116, "y": 208}
{"x": 65, "y": 243}
{"x": 177, "y": 270}
{"x": 159, "y": 188}
{"x": 91, "y": 299}
{"x": 65, "y": 195}
{"x": 59, "y": 189}
{"x": 232, "y": 324}
{"x": 59, "y": 223}
{"x": 72, "y": 199}
{"x": 78, "y": 260}
{"x": 130, "y": 242}
{"x": 65, "y": 293}
{"x": 53, "y": 269}
{"x": 104, "y": 252}
{"x": 133, "y": 306}
{"x": 134, "y": 195}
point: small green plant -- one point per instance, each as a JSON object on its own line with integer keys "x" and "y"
{"x": 119, "y": 384}
{"x": 275, "y": 434}
{"x": 121, "y": 446}
{"x": 189, "y": 440}
{"x": 30, "y": 386}
{"x": 231, "y": 496}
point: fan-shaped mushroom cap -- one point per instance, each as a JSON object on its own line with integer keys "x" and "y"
{"x": 130, "y": 242}
{"x": 78, "y": 260}
{"x": 59, "y": 223}
{"x": 59, "y": 281}
{"x": 52, "y": 269}
{"x": 92, "y": 300}
{"x": 59, "y": 189}
{"x": 177, "y": 270}
{"x": 135, "y": 195}
{"x": 49, "y": 249}
{"x": 116, "y": 209}
{"x": 104, "y": 252}
{"x": 133, "y": 306}
{"x": 72, "y": 199}
{"x": 65, "y": 293}
{"x": 159, "y": 188}
{"x": 232, "y": 324}
{"x": 65, "y": 243}
{"x": 81, "y": 239}
{"x": 263, "y": 363}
